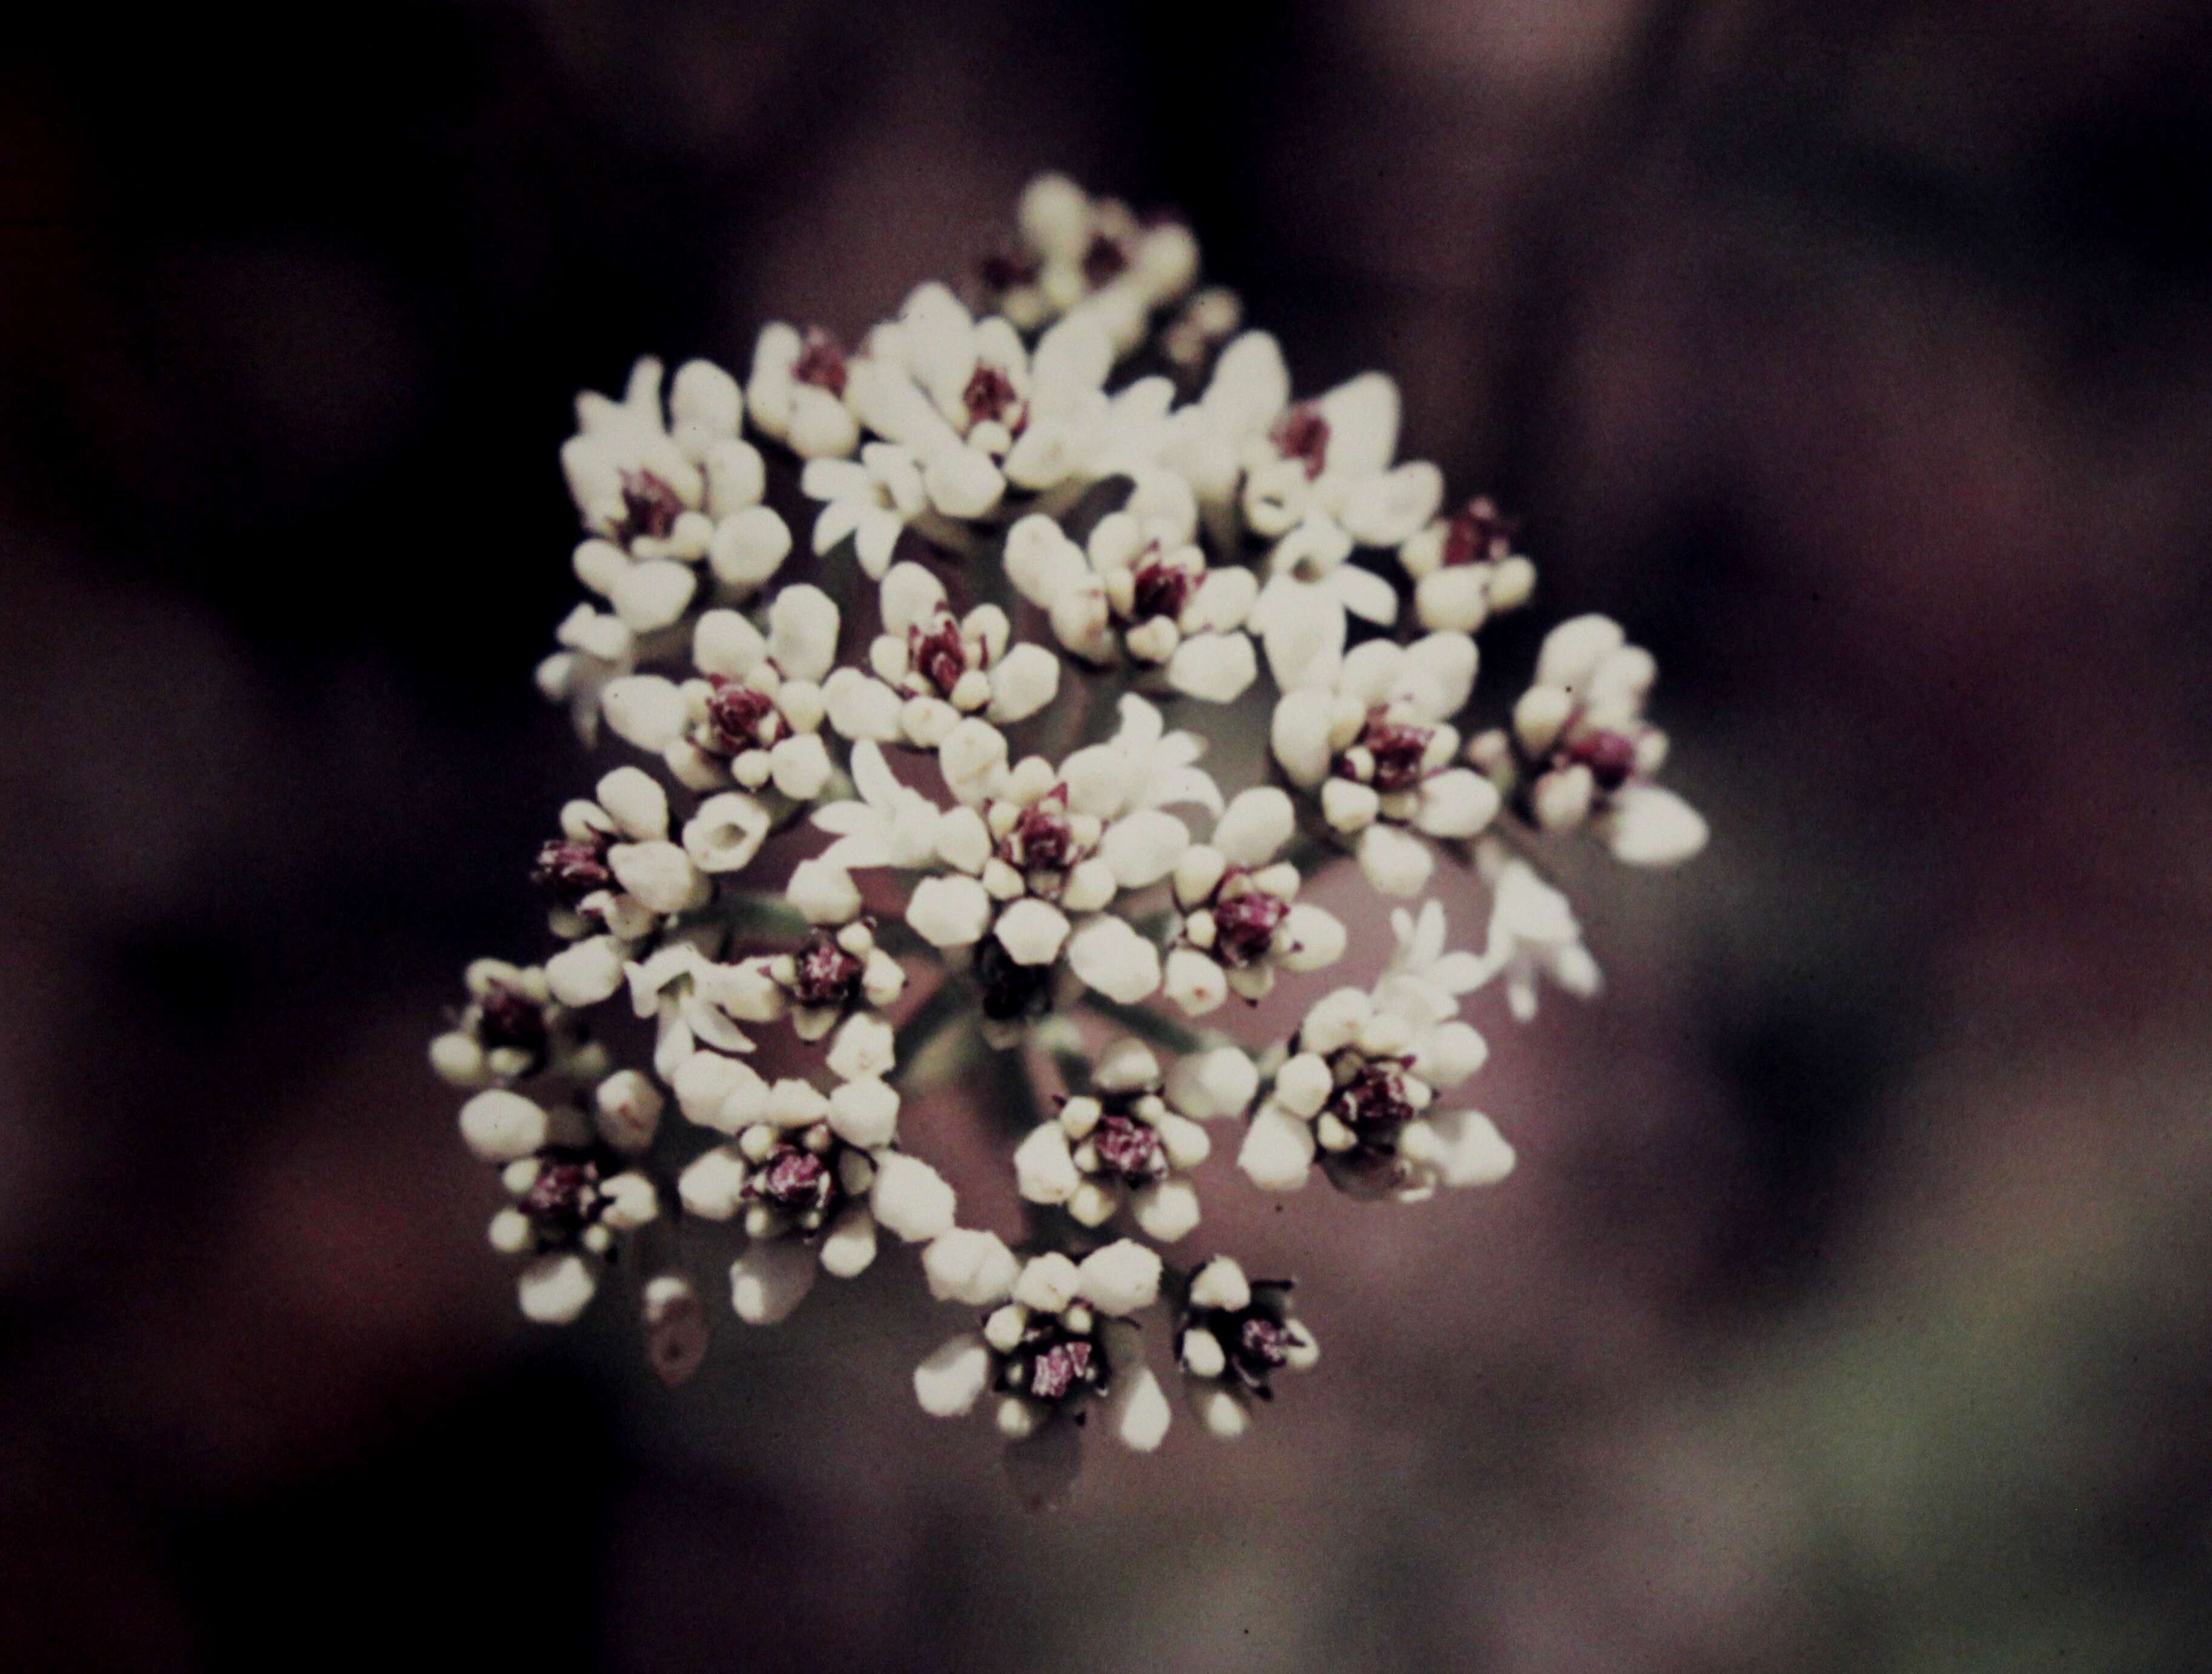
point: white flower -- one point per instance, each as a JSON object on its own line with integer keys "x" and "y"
{"x": 839, "y": 970}
{"x": 1368, "y": 733}
{"x": 933, "y": 669}
{"x": 1143, "y": 766}
{"x": 652, "y": 488}
{"x": 870, "y": 500}
{"x": 1465, "y": 570}
{"x": 609, "y": 849}
{"x": 1241, "y": 920}
{"x": 797, "y": 392}
{"x": 1533, "y": 933}
{"x": 972, "y": 1267}
{"x": 512, "y": 1028}
{"x": 1092, "y": 257}
{"x": 567, "y": 1208}
{"x": 1052, "y": 1344}
{"x": 1146, "y": 596}
{"x": 1121, "y": 1143}
{"x": 1580, "y": 751}
{"x": 1328, "y": 461}
{"x": 888, "y": 823}
{"x": 677, "y": 985}
{"x": 1355, "y": 1092}
{"x": 755, "y": 714}
{"x": 1231, "y": 1336}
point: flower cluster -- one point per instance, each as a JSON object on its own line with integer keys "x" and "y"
{"x": 963, "y": 807}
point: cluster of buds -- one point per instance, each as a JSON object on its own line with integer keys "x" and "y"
{"x": 920, "y": 833}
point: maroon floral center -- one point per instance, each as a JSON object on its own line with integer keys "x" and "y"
{"x": 564, "y": 1197}
{"x": 1059, "y": 1369}
{"x": 506, "y": 1017}
{"x": 794, "y": 1180}
{"x": 1041, "y": 840}
{"x": 1373, "y": 1102}
{"x": 570, "y": 869}
{"x": 821, "y": 361}
{"x": 827, "y": 974}
{"x": 650, "y": 507}
{"x": 1244, "y": 926}
{"x": 1478, "y": 533}
{"x": 1262, "y": 1345}
{"x": 1006, "y": 269}
{"x": 1301, "y": 433}
{"x": 990, "y": 394}
{"x": 741, "y": 717}
{"x": 1610, "y": 757}
{"x": 1105, "y": 260}
{"x": 1011, "y": 989}
{"x": 1162, "y": 589}
{"x": 1129, "y": 1147}
{"x": 936, "y": 654}
{"x": 1400, "y": 752}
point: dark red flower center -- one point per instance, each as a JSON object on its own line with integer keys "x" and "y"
{"x": 1011, "y": 989}
{"x": 1008, "y": 269}
{"x": 1400, "y": 752}
{"x": 1041, "y": 840}
{"x": 1478, "y": 533}
{"x": 1373, "y": 1102}
{"x": 650, "y": 507}
{"x": 827, "y": 974}
{"x": 1301, "y": 433}
{"x": 1105, "y": 260}
{"x": 794, "y": 1179}
{"x": 1162, "y": 589}
{"x": 821, "y": 361}
{"x": 990, "y": 394}
{"x": 1129, "y": 1147}
{"x": 1059, "y": 1369}
{"x": 936, "y": 652}
{"x": 570, "y": 869}
{"x": 564, "y": 1197}
{"x": 741, "y": 717}
{"x": 1610, "y": 757}
{"x": 1244, "y": 926}
{"x": 1262, "y": 1345}
{"x": 507, "y": 1017}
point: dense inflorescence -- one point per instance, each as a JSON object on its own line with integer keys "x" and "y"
{"x": 927, "y": 807}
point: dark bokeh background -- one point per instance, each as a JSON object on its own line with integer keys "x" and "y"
{"x": 1853, "y": 1307}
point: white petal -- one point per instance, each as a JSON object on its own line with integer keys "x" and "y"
{"x": 1032, "y": 931}
{"x": 1109, "y": 956}
{"x": 1255, "y": 826}
{"x": 650, "y": 596}
{"x": 865, "y": 1113}
{"x": 748, "y": 547}
{"x": 1120, "y": 1279}
{"x": 802, "y": 635}
{"x": 1044, "y": 1170}
{"x": 1471, "y": 1150}
{"x": 911, "y": 598}
{"x": 644, "y": 710}
{"x": 861, "y": 706}
{"x": 1317, "y": 938}
{"x": 771, "y": 1279}
{"x": 1395, "y": 864}
{"x": 1215, "y": 1084}
{"x": 586, "y": 973}
{"x": 555, "y": 1289}
{"x": 1364, "y": 594}
{"x": 1024, "y": 683}
{"x": 910, "y": 1198}
{"x": 1144, "y": 847}
{"x": 1391, "y": 507}
{"x": 1448, "y": 1054}
{"x": 1214, "y": 668}
{"x": 1194, "y": 981}
{"x": 975, "y": 1268}
{"x": 863, "y": 1047}
{"x": 1573, "y": 650}
{"x": 1435, "y": 675}
{"x": 1277, "y": 1151}
{"x": 1457, "y": 803}
{"x": 726, "y": 832}
{"x": 1137, "y": 1412}
{"x": 849, "y": 1247}
{"x": 499, "y": 1126}
{"x": 1648, "y": 826}
{"x": 973, "y": 759}
{"x": 1302, "y": 625}
{"x": 950, "y": 912}
{"x": 1300, "y": 735}
{"x": 1167, "y": 1209}
{"x": 726, "y": 642}
{"x": 954, "y": 1377}
{"x": 660, "y": 876}
{"x": 823, "y": 893}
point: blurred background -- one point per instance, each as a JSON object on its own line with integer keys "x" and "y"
{"x": 1852, "y": 1307}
